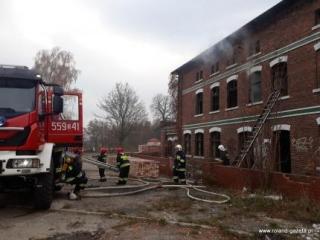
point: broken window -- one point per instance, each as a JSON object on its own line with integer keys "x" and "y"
{"x": 199, "y": 144}
{"x": 215, "y": 68}
{"x": 187, "y": 143}
{"x": 215, "y": 99}
{"x": 199, "y": 103}
{"x": 317, "y": 17}
{"x": 232, "y": 100}
{"x": 254, "y": 47}
{"x": 255, "y": 87}
{"x": 280, "y": 78}
{"x": 214, "y": 143}
{"x": 199, "y": 75}
{"x": 242, "y": 137}
{"x": 231, "y": 60}
{"x": 282, "y": 151}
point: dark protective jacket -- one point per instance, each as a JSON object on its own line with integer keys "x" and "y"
{"x": 74, "y": 170}
{"x": 180, "y": 161}
{"x": 102, "y": 158}
{"x": 225, "y": 157}
{"x": 122, "y": 161}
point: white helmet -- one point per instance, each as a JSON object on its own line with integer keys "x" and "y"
{"x": 179, "y": 147}
{"x": 221, "y": 148}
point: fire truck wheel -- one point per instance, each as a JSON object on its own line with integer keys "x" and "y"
{"x": 44, "y": 193}
{"x": 3, "y": 200}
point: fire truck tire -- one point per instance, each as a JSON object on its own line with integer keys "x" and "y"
{"x": 3, "y": 200}
{"x": 43, "y": 195}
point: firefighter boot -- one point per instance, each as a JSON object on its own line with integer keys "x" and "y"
{"x": 73, "y": 196}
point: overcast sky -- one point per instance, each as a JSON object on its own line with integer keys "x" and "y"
{"x": 134, "y": 41}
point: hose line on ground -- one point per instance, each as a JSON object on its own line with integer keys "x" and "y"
{"x": 148, "y": 185}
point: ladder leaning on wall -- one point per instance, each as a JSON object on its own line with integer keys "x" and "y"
{"x": 248, "y": 143}
{"x": 279, "y": 84}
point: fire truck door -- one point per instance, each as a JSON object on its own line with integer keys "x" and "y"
{"x": 66, "y": 129}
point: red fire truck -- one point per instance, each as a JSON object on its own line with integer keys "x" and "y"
{"x": 38, "y": 122}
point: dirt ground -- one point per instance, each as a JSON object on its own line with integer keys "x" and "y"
{"x": 159, "y": 214}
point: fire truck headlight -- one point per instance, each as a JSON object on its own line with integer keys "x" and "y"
{"x": 24, "y": 163}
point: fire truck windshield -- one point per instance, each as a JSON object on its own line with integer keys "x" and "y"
{"x": 17, "y": 96}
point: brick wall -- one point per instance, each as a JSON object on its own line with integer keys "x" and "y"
{"x": 292, "y": 186}
{"x": 164, "y": 164}
{"x": 277, "y": 31}
{"x": 288, "y": 185}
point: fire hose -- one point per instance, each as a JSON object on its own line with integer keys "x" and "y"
{"x": 147, "y": 186}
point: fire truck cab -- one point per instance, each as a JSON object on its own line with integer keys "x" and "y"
{"x": 38, "y": 122}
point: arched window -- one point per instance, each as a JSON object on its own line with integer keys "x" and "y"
{"x": 280, "y": 78}
{"x": 282, "y": 144}
{"x": 243, "y": 134}
{"x": 255, "y": 87}
{"x": 187, "y": 143}
{"x": 199, "y": 144}
{"x": 232, "y": 100}
{"x": 214, "y": 143}
{"x": 215, "y": 98}
{"x": 199, "y": 103}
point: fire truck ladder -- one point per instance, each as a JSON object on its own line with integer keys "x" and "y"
{"x": 272, "y": 99}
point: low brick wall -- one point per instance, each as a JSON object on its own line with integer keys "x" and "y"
{"x": 140, "y": 167}
{"x": 292, "y": 186}
{"x": 165, "y": 164}
{"x": 289, "y": 185}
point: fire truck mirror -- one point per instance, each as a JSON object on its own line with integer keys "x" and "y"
{"x": 57, "y": 104}
{"x": 57, "y": 90}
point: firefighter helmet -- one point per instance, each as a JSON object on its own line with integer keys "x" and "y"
{"x": 222, "y": 148}
{"x": 120, "y": 150}
{"x": 178, "y": 147}
{"x": 103, "y": 150}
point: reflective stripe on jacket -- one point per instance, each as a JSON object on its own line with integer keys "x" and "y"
{"x": 180, "y": 161}
{"x": 123, "y": 161}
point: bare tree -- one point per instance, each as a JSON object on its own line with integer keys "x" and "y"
{"x": 56, "y": 66}
{"x": 161, "y": 107}
{"x": 97, "y": 134}
{"x": 123, "y": 110}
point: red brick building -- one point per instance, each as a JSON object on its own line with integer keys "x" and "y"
{"x": 223, "y": 90}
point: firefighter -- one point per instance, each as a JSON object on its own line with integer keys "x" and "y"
{"x": 179, "y": 167}
{"x": 224, "y": 155}
{"x": 73, "y": 173}
{"x": 124, "y": 166}
{"x": 102, "y": 158}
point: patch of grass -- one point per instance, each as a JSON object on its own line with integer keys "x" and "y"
{"x": 211, "y": 221}
{"x": 163, "y": 221}
{"x": 274, "y": 225}
{"x": 194, "y": 231}
{"x": 125, "y": 224}
{"x": 231, "y": 234}
{"x": 301, "y": 210}
{"x": 202, "y": 210}
{"x": 172, "y": 204}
